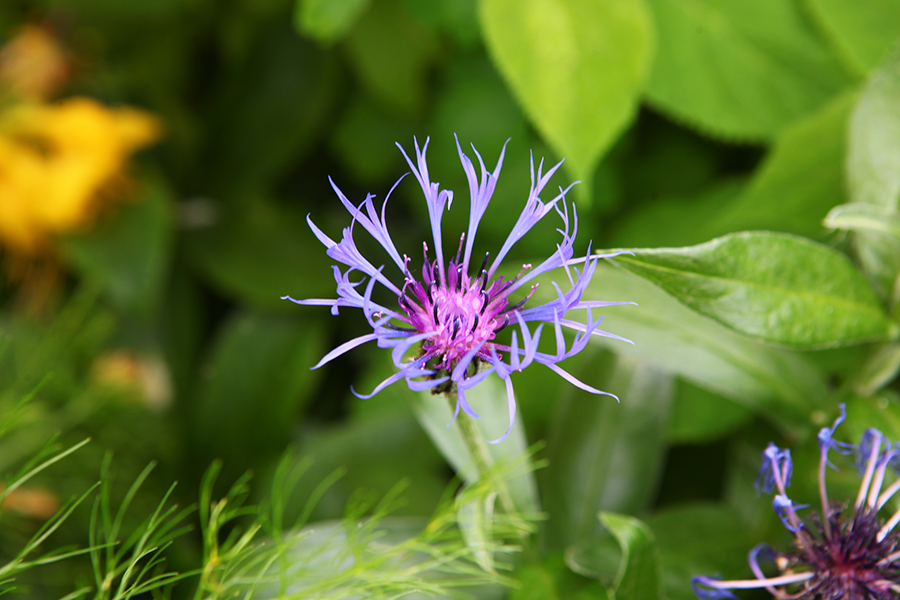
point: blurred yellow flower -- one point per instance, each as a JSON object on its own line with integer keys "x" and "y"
{"x": 33, "y": 65}
{"x": 57, "y": 163}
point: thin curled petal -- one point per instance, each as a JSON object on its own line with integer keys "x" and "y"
{"x": 345, "y": 347}
{"x": 784, "y": 507}
{"x": 511, "y": 403}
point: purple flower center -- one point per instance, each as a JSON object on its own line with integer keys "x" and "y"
{"x": 464, "y": 314}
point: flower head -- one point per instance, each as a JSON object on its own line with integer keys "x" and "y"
{"x": 842, "y": 552}
{"x": 453, "y": 310}
{"x": 59, "y": 163}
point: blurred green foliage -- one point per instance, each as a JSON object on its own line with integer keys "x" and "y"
{"x": 685, "y": 120}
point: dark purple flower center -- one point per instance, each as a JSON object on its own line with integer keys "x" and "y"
{"x": 851, "y": 563}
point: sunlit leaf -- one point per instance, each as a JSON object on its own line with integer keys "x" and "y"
{"x": 739, "y": 69}
{"x": 873, "y": 168}
{"x": 777, "y": 287}
{"x": 873, "y": 161}
{"x": 880, "y": 368}
{"x": 862, "y": 30}
{"x": 327, "y": 20}
{"x": 801, "y": 178}
{"x": 576, "y": 66}
{"x": 858, "y": 216}
{"x": 678, "y": 340}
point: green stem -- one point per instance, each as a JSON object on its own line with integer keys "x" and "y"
{"x": 479, "y": 455}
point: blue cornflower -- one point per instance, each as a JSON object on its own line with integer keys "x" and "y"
{"x": 853, "y": 556}
{"x": 453, "y": 311}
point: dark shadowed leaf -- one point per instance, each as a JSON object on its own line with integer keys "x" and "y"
{"x": 268, "y": 112}
{"x": 700, "y": 539}
{"x": 374, "y": 456}
{"x": 363, "y": 127}
{"x": 390, "y": 51}
{"x": 258, "y": 251}
{"x": 248, "y": 397}
{"x": 699, "y": 415}
{"x": 777, "y": 287}
{"x": 128, "y": 254}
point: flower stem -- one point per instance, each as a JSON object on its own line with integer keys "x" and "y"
{"x": 480, "y": 456}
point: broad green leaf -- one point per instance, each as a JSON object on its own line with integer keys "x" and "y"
{"x": 639, "y": 576}
{"x": 603, "y": 455}
{"x": 777, "y": 287}
{"x": 739, "y": 69}
{"x": 700, "y": 539}
{"x": 864, "y": 217}
{"x": 258, "y": 251}
{"x": 873, "y": 168}
{"x": 128, "y": 254}
{"x": 248, "y": 396}
{"x": 327, "y": 20}
{"x": 678, "y": 340}
{"x": 862, "y": 30}
{"x": 700, "y": 416}
{"x": 391, "y": 52}
{"x": 873, "y": 154}
{"x": 577, "y": 68}
{"x": 801, "y": 178}
{"x": 489, "y": 400}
